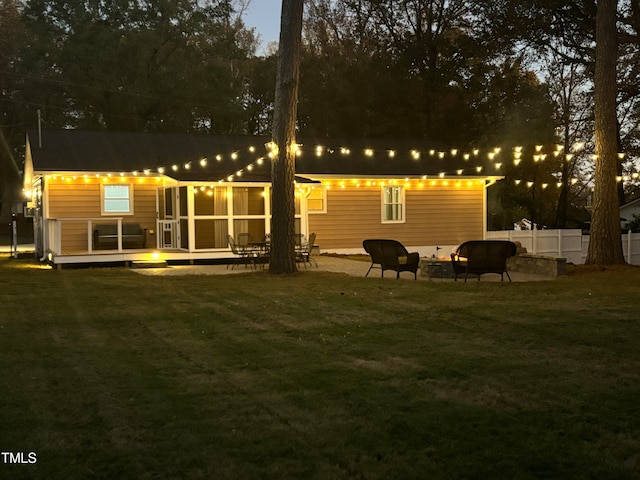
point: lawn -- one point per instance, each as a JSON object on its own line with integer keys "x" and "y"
{"x": 108, "y": 374}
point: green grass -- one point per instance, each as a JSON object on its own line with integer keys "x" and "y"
{"x": 108, "y": 374}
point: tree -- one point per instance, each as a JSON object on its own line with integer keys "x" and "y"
{"x": 571, "y": 91}
{"x": 144, "y": 65}
{"x": 605, "y": 244}
{"x": 11, "y": 116}
{"x": 282, "y": 256}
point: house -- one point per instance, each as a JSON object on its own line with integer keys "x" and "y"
{"x": 627, "y": 212}
{"x": 184, "y": 193}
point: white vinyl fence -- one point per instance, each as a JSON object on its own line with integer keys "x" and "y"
{"x": 569, "y": 244}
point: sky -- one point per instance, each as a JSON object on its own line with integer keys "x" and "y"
{"x": 265, "y": 16}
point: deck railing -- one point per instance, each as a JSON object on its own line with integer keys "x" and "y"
{"x": 54, "y": 232}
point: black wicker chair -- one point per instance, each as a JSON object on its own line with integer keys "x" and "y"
{"x": 391, "y": 255}
{"x": 478, "y": 257}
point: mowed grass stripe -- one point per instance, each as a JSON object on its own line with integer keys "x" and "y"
{"x": 111, "y": 374}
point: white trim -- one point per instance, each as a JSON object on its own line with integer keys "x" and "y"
{"x": 191, "y": 221}
{"x": 485, "y": 212}
{"x": 267, "y": 209}
{"x": 323, "y": 189}
{"x": 105, "y": 213}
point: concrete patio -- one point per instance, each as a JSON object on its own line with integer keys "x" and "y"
{"x": 343, "y": 264}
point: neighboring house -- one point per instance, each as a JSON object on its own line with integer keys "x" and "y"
{"x": 188, "y": 192}
{"x": 627, "y": 211}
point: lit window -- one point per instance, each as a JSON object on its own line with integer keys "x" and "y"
{"x": 392, "y": 204}
{"x": 117, "y": 200}
{"x": 317, "y": 200}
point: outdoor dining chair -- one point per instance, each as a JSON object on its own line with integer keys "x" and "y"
{"x": 238, "y": 250}
{"x": 244, "y": 239}
{"x": 303, "y": 252}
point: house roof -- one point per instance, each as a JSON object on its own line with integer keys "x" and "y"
{"x": 182, "y": 155}
{"x": 102, "y": 151}
{"x": 631, "y": 205}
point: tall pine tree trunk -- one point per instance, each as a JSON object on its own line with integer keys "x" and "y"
{"x": 605, "y": 244}
{"x": 282, "y": 255}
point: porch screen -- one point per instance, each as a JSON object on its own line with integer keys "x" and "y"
{"x": 210, "y": 204}
{"x": 210, "y": 201}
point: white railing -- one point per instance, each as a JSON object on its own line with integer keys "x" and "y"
{"x": 54, "y": 232}
{"x": 569, "y": 244}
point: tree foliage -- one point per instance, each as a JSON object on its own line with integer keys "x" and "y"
{"x": 11, "y": 122}
{"x": 148, "y": 65}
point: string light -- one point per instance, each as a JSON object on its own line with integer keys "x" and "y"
{"x": 272, "y": 149}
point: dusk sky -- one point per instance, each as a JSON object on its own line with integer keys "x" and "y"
{"x": 265, "y": 16}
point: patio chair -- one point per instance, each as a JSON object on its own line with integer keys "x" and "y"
{"x": 244, "y": 239}
{"x": 237, "y": 250}
{"x": 477, "y": 257}
{"x": 303, "y": 252}
{"x": 261, "y": 251}
{"x": 391, "y": 255}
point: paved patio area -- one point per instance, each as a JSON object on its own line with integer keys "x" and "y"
{"x": 345, "y": 265}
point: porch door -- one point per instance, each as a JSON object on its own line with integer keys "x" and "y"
{"x": 168, "y": 224}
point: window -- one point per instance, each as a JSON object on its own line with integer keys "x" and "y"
{"x": 117, "y": 200}
{"x": 317, "y": 200}
{"x": 392, "y": 204}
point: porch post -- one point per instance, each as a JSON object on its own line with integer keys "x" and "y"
{"x": 89, "y": 236}
{"x": 191, "y": 222}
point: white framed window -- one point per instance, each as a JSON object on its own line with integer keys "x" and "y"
{"x": 117, "y": 199}
{"x": 393, "y": 205}
{"x": 317, "y": 200}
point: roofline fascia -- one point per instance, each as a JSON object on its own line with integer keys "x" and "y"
{"x": 101, "y": 174}
{"x": 198, "y": 183}
{"x": 491, "y": 178}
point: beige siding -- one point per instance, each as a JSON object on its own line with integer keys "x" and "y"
{"x": 81, "y": 199}
{"x": 435, "y": 215}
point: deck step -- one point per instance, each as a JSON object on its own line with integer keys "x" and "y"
{"x": 149, "y": 264}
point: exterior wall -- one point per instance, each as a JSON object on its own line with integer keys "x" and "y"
{"x": 69, "y": 198}
{"x": 447, "y": 213}
{"x": 628, "y": 211}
